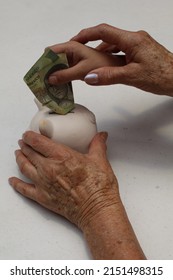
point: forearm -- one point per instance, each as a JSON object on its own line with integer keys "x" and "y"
{"x": 110, "y": 235}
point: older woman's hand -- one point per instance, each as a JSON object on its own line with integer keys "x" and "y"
{"x": 76, "y": 186}
{"x": 80, "y": 187}
{"x": 144, "y": 64}
{"x": 149, "y": 66}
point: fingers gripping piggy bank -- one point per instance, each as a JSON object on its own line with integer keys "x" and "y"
{"x": 75, "y": 129}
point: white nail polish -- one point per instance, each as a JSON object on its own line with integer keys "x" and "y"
{"x": 91, "y": 78}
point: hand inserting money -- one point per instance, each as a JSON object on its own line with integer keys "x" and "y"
{"x": 59, "y": 98}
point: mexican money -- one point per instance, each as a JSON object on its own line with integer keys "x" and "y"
{"x": 58, "y": 98}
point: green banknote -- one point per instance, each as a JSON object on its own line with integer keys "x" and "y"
{"x": 58, "y": 98}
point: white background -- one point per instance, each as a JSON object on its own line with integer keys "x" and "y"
{"x": 140, "y": 127}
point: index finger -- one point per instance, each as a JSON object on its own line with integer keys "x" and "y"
{"x": 61, "y": 48}
{"x": 44, "y": 145}
{"x": 69, "y": 48}
{"x": 107, "y": 33}
{"x": 75, "y": 52}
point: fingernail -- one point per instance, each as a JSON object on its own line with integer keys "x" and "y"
{"x": 52, "y": 80}
{"x": 91, "y": 78}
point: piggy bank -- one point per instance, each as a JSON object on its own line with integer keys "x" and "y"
{"x": 75, "y": 129}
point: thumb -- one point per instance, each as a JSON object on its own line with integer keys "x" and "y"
{"x": 107, "y": 76}
{"x": 98, "y": 146}
{"x": 62, "y": 76}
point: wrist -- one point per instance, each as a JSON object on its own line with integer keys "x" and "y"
{"x": 110, "y": 235}
{"x": 99, "y": 204}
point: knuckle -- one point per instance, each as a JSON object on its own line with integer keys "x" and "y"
{"x": 103, "y": 27}
{"x": 143, "y": 32}
{"x": 107, "y": 33}
{"x": 23, "y": 167}
{"x": 109, "y": 76}
{"x": 142, "y": 36}
{"x": 28, "y": 153}
{"x": 73, "y": 44}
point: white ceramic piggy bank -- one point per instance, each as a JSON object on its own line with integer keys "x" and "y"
{"x": 75, "y": 129}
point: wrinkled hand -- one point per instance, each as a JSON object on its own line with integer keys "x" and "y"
{"x": 149, "y": 66}
{"x": 145, "y": 64}
{"x": 82, "y": 59}
{"x": 76, "y": 186}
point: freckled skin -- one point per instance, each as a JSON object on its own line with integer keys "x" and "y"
{"x": 81, "y": 188}
{"x": 73, "y": 183}
{"x": 145, "y": 64}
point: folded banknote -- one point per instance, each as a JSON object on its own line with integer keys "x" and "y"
{"x": 58, "y": 98}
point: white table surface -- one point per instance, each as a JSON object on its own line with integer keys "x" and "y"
{"x": 140, "y": 127}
